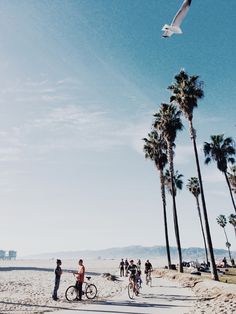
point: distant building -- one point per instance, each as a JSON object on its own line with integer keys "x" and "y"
{"x": 2, "y": 254}
{"x": 8, "y": 255}
{"x": 12, "y": 255}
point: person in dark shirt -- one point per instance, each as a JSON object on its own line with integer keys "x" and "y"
{"x": 148, "y": 267}
{"x": 126, "y": 267}
{"x": 122, "y": 265}
{"x": 132, "y": 269}
{"x": 58, "y": 273}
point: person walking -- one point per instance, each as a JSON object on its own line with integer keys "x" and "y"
{"x": 58, "y": 273}
{"x": 80, "y": 279}
{"x": 122, "y": 265}
{"x": 139, "y": 264}
{"x": 126, "y": 267}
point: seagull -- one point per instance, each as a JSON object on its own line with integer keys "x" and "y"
{"x": 174, "y": 28}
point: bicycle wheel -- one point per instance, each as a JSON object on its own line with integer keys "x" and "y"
{"x": 150, "y": 281}
{"x": 71, "y": 293}
{"x": 130, "y": 291}
{"x": 91, "y": 291}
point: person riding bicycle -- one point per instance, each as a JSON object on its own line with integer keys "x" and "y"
{"x": 148, "y": 266}
{"x": 138, "y": 278}
{"x": 132, "y": 269}
{"x": 148, "y": 269}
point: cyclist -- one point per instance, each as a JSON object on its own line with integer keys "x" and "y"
{"x": 139, "y": 279}
{"x": 132, "y": 269}
{"x": 148, "y": 270}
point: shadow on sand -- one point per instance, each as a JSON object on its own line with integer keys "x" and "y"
{"x": 97, "y": 310}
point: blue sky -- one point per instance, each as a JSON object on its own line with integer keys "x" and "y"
{"x": 80, "y": 81}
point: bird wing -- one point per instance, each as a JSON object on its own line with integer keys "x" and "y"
{"x": 180, "y": 15}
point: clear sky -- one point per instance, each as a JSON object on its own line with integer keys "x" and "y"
{"x": 80, "y": 81}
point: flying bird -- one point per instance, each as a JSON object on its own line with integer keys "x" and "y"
{"x": 174, "y": 27}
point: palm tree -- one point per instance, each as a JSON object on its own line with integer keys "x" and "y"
{"x": 221, "y": 150}
{"x": 186, "y": 91}
{"x": 178, "y": 182}
{"x": 194, "y": 188}
{"x": 221, "y": 220}
{"x": 232, "y": 221}
{"x": 232, "y": 178}
{"x": 155, "y": 149}
{"x": 168, "y": 123}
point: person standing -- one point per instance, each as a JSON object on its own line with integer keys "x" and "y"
{"x": 58, "y": 273}
{"x": 122, "y": 265}
{"x": 80, "y": 279}
{"x": 126, "y": 267}
{"x": 139, "y": 264}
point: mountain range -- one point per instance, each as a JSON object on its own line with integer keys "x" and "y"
{"x": 134, "y": 251}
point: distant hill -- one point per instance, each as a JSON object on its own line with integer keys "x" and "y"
{"x": 134, "y": 251}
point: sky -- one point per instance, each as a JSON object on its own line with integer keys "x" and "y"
{"x": 80, "y": 82}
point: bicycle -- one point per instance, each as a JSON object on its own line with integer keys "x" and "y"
{"x": 133, "y": 288}
{"x": 149, "y": 278}
{"x": 90, "y": 290}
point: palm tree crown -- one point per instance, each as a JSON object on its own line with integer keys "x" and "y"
{"x": 186, "y": 90}
{"x": 232, "y": 178}
{"x": 155, "y": 149}
{"x": 178, "y": 182}
{"x": 193, "y": 186}
{"x": 221, "y": 150}
{"x": 168, "y": 121}
{"x": 232, "y": 220}
{"x": 221, "y": 220}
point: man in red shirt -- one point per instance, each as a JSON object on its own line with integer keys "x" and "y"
{"x": 80, "y": 279}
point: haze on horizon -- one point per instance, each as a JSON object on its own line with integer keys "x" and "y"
{"x": 80, "y": 81}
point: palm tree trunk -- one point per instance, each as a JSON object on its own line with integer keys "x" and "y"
{"x": 230, "y": 191}
{"x": 207, "y": 227}
{"x": 175, "y": 217}
{"x": 163, "y": 195}
{"x": 227, "y": 241}
{"x": 203, "y": 233}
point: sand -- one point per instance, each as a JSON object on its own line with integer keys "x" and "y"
{"x": 26, "y": 287}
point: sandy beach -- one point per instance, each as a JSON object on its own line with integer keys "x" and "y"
{"x": 26, "y": 287}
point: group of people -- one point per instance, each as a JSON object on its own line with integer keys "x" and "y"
{"x": 134, "y": 270}
{"x": 126, "y": 268}
{"x": 79, "y": 279}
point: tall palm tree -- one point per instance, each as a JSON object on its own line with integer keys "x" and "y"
{"x": 155, "y": 149}
{"x": 232, "y": 221}
{"x": 221, "y": 150}
{"x": 168, "y": 123}
{"x": 221, "y": 220}
{"x": 232, "y": 178}
{"x": 194, "y": 188}
{"x": 186, "y": 91}
{"x": 178, "y": 182}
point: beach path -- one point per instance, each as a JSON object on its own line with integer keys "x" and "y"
{"x": 163, "y": 297}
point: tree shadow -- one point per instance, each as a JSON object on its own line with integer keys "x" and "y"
{"x": 137, "y": 304}
{"x": 172, "y": 297}
{"x": 36, "y": 305}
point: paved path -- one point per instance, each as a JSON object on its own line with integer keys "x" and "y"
{"x": 164, "y": 297}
